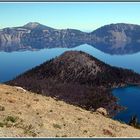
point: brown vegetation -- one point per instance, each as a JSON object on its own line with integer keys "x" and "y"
{"x": 77, "y": 78}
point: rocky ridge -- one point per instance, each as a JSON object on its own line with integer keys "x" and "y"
{"x": 117, "y": 38}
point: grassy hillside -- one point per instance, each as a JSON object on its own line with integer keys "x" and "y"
{"x": 26, "y": 114}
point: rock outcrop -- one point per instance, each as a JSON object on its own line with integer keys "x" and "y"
{"x": 102, "y": 111}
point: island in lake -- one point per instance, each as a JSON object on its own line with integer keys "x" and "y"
{"x": 73, "y": 78}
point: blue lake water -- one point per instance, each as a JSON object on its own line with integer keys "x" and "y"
{"x": 128, "y": 97}
{"x": 15, "y": 63}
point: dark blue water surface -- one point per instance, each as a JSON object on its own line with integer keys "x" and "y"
{"x": 128, "y": 97}
{"x": 15, "y": 63}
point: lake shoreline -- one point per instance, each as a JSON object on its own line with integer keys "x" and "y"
{"x": 120, "y": 107}
{"x": 130, "y": 93}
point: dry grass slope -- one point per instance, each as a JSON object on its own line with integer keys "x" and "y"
{"x": 26, "y": 114}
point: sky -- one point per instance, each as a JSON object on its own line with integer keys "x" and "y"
{"x": 82, "y": 16}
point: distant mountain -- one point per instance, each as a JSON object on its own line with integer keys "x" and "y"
{"x": 77, "y": 78}
{"x": 113, "y": 39}
{"x": 36, "y": 26}
{"x": 36, "y": 36}
{"x": 117, "y": 38}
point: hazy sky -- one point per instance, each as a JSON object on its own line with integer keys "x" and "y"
{"x": 83, "y": 16}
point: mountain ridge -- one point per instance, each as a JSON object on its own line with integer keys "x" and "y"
{"x": 37, "y": 23}
{"x": 117, "y": 38}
